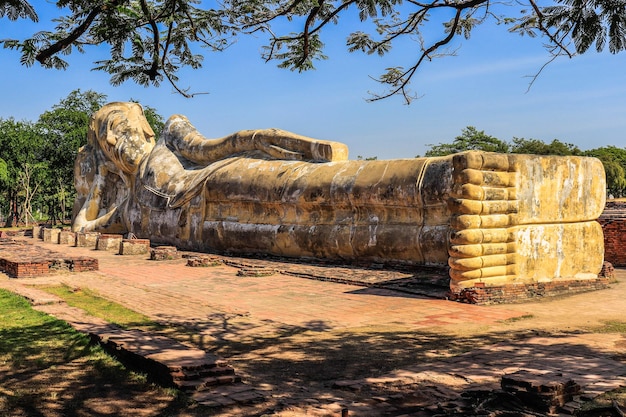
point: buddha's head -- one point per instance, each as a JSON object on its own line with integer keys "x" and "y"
{"x": 123, "y": 134}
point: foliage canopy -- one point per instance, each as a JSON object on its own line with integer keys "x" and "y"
{"x": 151, "y": 40}
{"x": 39, "y": 156}
{"x": 612, "y": 157}
{"x": 469, "y": 139}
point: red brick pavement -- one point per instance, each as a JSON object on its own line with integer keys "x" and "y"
{"x": 172, "y": 291}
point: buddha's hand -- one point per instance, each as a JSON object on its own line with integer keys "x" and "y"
{"x": 278, "y": 152}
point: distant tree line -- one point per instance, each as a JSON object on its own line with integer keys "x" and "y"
{"x": 37, "y": 159}
{"x": 613, "y": 158}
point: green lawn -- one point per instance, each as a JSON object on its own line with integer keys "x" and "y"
{"x": 49, "y": 369}
{"x": 30, "y": 339}
{"x": 100, "y": 307}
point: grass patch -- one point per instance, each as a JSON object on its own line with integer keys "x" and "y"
{"x": 612, "y": 326}
{"x": 30, "y": 339}
{"x": 520, "y": 318}
{"x": 608, "y": 404}
{"x": 98, "y": 306}
{"x": 49, "y": 369}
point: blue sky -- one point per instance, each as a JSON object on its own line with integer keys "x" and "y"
{"x": 580, "y": 101}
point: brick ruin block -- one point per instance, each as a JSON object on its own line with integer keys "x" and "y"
{"x": 614, "y": 229}
{"x": 546, "y": 392}
{"x": 36, "y": 232}
{"x": 134, "y": 246}
{"x": 608, "y": 272}
{"x": 164, "y": 253}
{"x": 83, "y": 263}
{"x": 482, "y": 294}
{"x": 204, "y": 261}
{"x": 37, "y": 267}
{"x": 255, "y": 271}
{"x": 59, "y": 265}
{"x": 67, "y": 237}
{"x": 22, "y": 259}
{"x": 14, "y": 233}
{"x": 87, "y": 239}
{"x": 30, "y": 268}
{"x": 109, "y": 242}
{"x": 51, "y": 235}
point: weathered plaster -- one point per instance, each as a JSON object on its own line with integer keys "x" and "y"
{"x": 494, "y": 219}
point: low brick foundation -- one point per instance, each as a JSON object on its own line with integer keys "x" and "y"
{"x": 19, "y": 259}
{"x": 87, "y": 239}
{"x": 67, "y": 237}
{"x": 51, "y": 235}
{"x": 255, "y": 272}
{"x": 482, "y": 294}
{"x": 109, "y": 242}
{"x": 23, "y": 269}
{"x": 135, "y": 247}
{"x": 164, "y": 253}
{"x": 546, "y": 392}
{"x": 36, "y": 268}
{"x": 16, "y": 233}
{"x": 82, "y": 264}
{"x": 204, "y": 261}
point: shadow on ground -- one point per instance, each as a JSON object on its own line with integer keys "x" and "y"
{"x": 304, "y": 370}
{"x": 72, "y": 378}
{"x": 385, "y": 371}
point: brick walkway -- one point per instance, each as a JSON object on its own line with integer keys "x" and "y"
{"x": 217, "y": 303}
{"x": 172, "y": 291}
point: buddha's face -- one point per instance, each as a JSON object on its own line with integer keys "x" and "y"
{"x": 123, "y": 134}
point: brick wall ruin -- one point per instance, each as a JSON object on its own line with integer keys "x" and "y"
{"x": 613, "y": 221}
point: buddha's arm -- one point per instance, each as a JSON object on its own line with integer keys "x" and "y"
{"x": 279, "y": 144}
{"x": 286, "y": 145}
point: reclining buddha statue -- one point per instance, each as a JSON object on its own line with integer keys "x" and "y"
{"x": 493, "y": 219}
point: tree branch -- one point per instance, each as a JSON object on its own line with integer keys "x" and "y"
{"x": 305, "y": 33}
{"x": 43, "y": 55}
{"x": 545, "y": 30}
{"x": 168, "y": 41}
{"x": 408, "y": 74}
{"x": 180, "y": 91}
{"x": 283, "y": 12}
{"x": 335, "y": 12}
{"x": 409, "y": 26}
{"x": 153, "y": 71}
{"x": 533, "y": 78}
{"x": 460, "y": 5}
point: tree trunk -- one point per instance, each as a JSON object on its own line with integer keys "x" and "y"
{"x": 12, "y": 210}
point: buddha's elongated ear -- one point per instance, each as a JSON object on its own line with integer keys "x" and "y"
{"x": 103, "y": 124}
{"x": 109, "y": 134}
